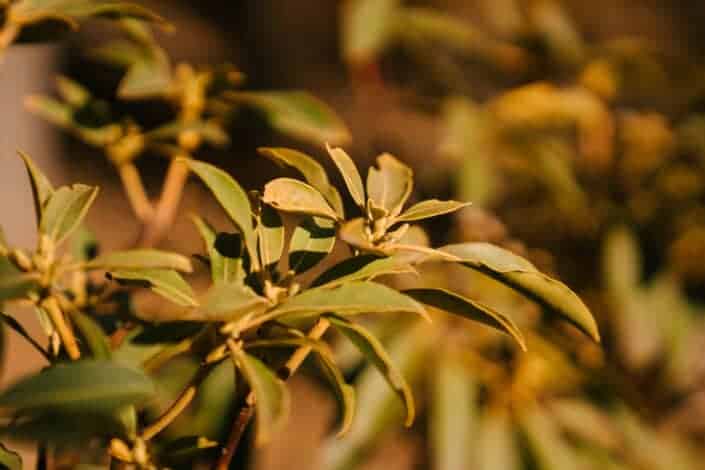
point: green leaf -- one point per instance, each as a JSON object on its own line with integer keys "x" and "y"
{"x": 272, "y": 396}
{"x": 72, "y": 92}
{"x": 232, "y": 198}
{"x": 41, "y": 186}
{"x": 167, "y": 283}
{"x": 522, "y": 276}
{"x": 296, "y": 113}
{"x": 312, "y": 171}
{"x": 351, "y": 176}
{"x": 374, "y": 351}
{"x": 84, "y": 245}
{"x": 368, "y": 27}
{"x": 187, "y": 448}
{"x": 355, "y": 233}
{"x": 14, "y": 284}
{"x": 210, "y": 131}
{"x": 92, "y": 333}
{"x": 362, "y": 268}
{"x": 223, "y": 268}
{"x": 86, "y": 386}
{"x": 497, "y": 447}
{"x": 352, "y": 298}
{"x": 311, "y": 241}
{"x": 9, "y": 459}
{"x": 290, "y": 195}
{"x": 468, "y": 308}
{"x": 141, "y": 259}
{"x": 430, "y": 208}
{"x": 389, "y": 185}
{"x": 270, "y": 237}
{"x": 345, "y": 394}
{"x": 230, "y": 301}
{"x": 452, "y": 419}
{"x": 65, "y": 210}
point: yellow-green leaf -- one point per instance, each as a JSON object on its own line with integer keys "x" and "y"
{"x": 165, "y": 282}
{"x": 346, "y": 167}
{"x": 362, "y": 268}
{"x": 223, "y": 268}
{"x": 389, "y": 184}
{"x": 458, "y": 305}
{"x": 270, "y": 237}
{"x": 375, "y": 352}
{"x": 368, "y": 27}
{"x": 522, "y": 276}
{"x": 290, "y": 195}
{"x": 430, "y": 208}
{"x": 92, "y": 333}
{"x": 312, "y": 171}
{"x": 230, "y": 301}
{"x": 311, "y": 241}
{"x": 9, "y": 459}
{"x": 65, "y": 210}
{"x": 41, "y": 186}
{"x": 296, "y": 113}
{"x": 141, "y": 259}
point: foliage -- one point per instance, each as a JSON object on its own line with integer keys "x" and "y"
{"x": 178, "y": 387}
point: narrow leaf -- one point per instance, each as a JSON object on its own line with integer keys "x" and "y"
{"x": 311, "y": 241}
{"x": 430, "y": 208}
{"x": 92, "y": 333}
{"x": 65, "y": 210}
{"x": 522, "y": 276}
{"x": 141, "y": 259}
{"x": 497, "y": 446}
{"x": 352, "y": 298}
{"x": 270, "y": 232}
{"x": 167, "y": 283}
{"x": 312, "y": 171}
{"x": 81, "y": 386}
{"x": 362, "y": 268}
{"x": 374, "y": 351}
{"x": 230, "y": 301}
{"x": 389, "y": 184}
{"x": 368, "y": 27}
{"x": 223, "y": 268}
{"x": 41, "y": 187}
{"x": 296, "y": 113}
{"x": 272, "y": 396}
{"x": 10, "y": 460}
{"x": 290, "y": 195}
{"x": 351, "y": 176}
{"x": 232, "y": 198}
{"x": 468, "y": 308}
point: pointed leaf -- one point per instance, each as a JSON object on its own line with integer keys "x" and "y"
{"x": 311, "y": 241}
{"x": 430, "y": 208}
{"x": 362, "y": 268}
{"x": 453, "y": 414}
{"x": 80, "y": 386}
{"x": 41, "y": 187}
{"x": 296, "y": 113}
{"x": 232, "y": 198}
{"x": 9, "y": 459}
{"x": 468, "y": 308}
{"x": 230, "y": 301}
{"x": 374, "y": 351}
{"x": 141, "y": 259}
{"x": 522, "y": 276}
{"x": 272, "y": 396}
{"x": 389, "y": 184}
{"x": 167, "y": 283}
{"x": 92, "y": 333}
{"x": 223, "y": 268}
{"x": 65, "y": 210}
{"x": 270, "y": 237}
{"x": 290, "y": 195}
{"x": 352, "y": 298}
{"x": 351, "y": 176}
{"x": 312, "y": 171}
{"x": 345, "y": 394}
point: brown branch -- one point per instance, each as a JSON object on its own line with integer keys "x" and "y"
{"x": 243, "y": 418}
{"x": 135, "y": 192}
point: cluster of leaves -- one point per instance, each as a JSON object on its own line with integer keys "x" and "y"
{"x": 593, "y": 148}
{"x": 257, "y": 303}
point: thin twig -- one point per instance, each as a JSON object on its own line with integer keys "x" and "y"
{"x": 62, "y": 327}
{"x": 136, "y": 194}
{"x": 168, "y": 204}
{"x": 247, "y": 411}
{"x": 171, "y": 413}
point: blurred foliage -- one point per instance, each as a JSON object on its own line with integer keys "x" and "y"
{"x": 146, "y": 370}
{"x": 591, "y": 154}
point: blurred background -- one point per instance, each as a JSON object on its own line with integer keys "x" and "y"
{"x": 577, "y": 129}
